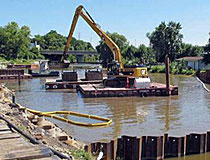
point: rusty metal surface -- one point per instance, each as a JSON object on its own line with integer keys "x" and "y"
{"x": 151, "y": 147}
{"x": 11, "y": 72}
{"x": 156, "y": 89}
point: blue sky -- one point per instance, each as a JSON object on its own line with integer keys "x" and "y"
{"x": 132, "y": 18}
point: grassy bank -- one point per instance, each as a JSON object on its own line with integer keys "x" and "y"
{"x": 18, "y": 61}
{"x": 175, "y": 68}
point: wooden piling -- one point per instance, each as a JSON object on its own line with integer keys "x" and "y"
{"x": 167, "y": 70}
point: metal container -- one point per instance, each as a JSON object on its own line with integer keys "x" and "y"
{"x": 69, "y": 76}
{"x": 93, "y": 75}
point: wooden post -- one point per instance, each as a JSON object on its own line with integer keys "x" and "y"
{"x": 19, "y": 77}
{"x": 167, "y": 75}
{"x": 13, "y": 98}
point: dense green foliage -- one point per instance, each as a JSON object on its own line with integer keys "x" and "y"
{"x": 106, "y": 54}
{"x": 206, "y": 58}
{"x": 15, "y": 43}
{"x": 130, "y": 54}
{"x": 166, "y": 40}
{"x": 175, "y": 68}
{"x": 90, "y": 58}
{"x": 55, "y": 41}
{"x": 188, "y": 50}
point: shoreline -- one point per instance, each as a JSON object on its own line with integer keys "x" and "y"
{"x": 38, "y": 127}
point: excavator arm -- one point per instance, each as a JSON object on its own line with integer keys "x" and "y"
{"x": 106, "y": 39}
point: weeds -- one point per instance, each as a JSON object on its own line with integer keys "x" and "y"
{"x": 81, "y": 154}
{"x": 175, "y": 68}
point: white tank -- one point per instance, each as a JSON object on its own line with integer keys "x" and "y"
{"x": 142, "y": 82}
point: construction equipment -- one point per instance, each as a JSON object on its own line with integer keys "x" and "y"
{"x": 118, "y": 75}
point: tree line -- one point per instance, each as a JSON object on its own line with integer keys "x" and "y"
{"x": 166, "y": 39}
{"x": 15, "y": 42}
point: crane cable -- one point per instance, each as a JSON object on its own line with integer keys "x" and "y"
{"x": 106, "y": 121}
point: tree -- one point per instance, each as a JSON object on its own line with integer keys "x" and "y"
{"x": 40, "y": 41}
{"x": 81, "y": 45}
{"x": 145, "y": 54}
{"x": 166, "y": 40}
{"x": 15, "y": 41}
{"x": 106, "y": 54}
{"x": 130, "y": 52}
{"x": 24, "y": 44}
{"x": 36, "y": 53}
{"x": 54, "y": 41}
{"x": 206, "y": 58}
{"x": 190, "y": 50}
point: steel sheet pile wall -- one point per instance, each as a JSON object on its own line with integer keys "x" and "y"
{"x": 151, "y": 147}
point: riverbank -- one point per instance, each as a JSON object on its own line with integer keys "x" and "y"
{"x": 40, "y": 128}
{"x": 174, "y": 69}
{"x": 18, "y": 61}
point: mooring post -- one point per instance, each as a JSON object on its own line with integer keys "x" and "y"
{"x": 167, "y": 75}
{"x": 13, "y": 98}
{"x": 19, "y": 77}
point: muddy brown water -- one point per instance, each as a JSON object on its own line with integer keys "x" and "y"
{"x": 134, "y": 116}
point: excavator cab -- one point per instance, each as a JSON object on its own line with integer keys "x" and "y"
{"x": 113, "y": 69}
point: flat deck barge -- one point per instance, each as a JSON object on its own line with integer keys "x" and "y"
{"x": 156, "y": 89}
{"x": 6, "y": 77}
{"x": 52, "y": 84}
{"x": 13, "y": 74}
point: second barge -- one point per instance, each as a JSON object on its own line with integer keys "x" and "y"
{"x": 156, "y": 89}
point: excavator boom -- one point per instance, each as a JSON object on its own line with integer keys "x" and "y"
{"x": 119, "y": 76}
{"x": 109, "y": 42}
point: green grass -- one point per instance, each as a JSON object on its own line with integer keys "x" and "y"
{"x": 174, "y": 69}
{"x": 81, "y": 154}
{"x": 22, "y": 61}
{"x": 157, "y": 69}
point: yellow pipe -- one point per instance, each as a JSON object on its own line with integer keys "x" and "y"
{"x": 51, "y": 115}
{"x": 106, "y": 122}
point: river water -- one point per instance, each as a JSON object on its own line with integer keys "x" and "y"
{"x": 134, "y": 116}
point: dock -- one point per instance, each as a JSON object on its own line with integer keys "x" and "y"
{"x": 14, "y": 146}
{"x": 6, "y": 77}
{"x": 28, "y": 66}
{"x": 96, "y": 90}
{"x": 52, "y": 84}
{"x": 6, "y": 74}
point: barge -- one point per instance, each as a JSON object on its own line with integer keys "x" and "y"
{"x": 155, "y": 89}
{"x": 6, "y": 74}
{"x": 52, "y": 84}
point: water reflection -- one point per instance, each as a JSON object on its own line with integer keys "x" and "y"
{"x": 205, "y": 156}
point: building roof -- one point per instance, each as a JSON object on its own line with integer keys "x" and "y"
{"x": 190, "y": 59}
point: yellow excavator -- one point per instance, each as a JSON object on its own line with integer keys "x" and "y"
{"x": 117, "y": 74}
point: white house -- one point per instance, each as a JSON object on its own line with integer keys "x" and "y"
{"x": 195, "y": 63}
{"x": 34, "y": 45}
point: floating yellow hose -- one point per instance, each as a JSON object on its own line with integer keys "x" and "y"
{"x": 106, "y": 122}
